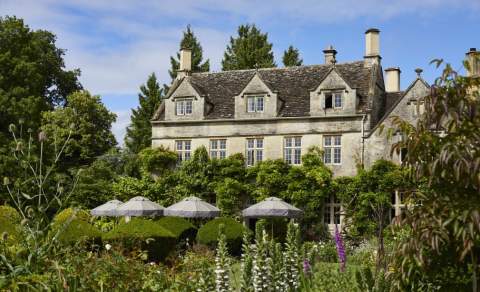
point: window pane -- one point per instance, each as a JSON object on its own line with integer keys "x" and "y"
{"x": 336, "y": 211}
{"x": 250, "y": 154}
{"x": 187, "y": 145}
{"x": 259, "y": 143}
{"x": 250, "y": 104}
{"x": 338, "y": 100}
{"x": 338, "y": 140}
{"x": 187, "y": 155}
{"x": 223, "y": 154}
{"x": 327, "y": 140}
{"x": 259, "y": 155}
{"x": 213, "y": 154}
{"x": 298, "y": 141}
{"x": 326, "y": 215}
{"x": 328, "y": 100}
{"x": 188, "y": 107}
{"x": 328, "y": 155}
{"x": 250, "y": 143}
{"x": 337, "y": 156}
{"x": 223, "y": 144}
{"x": 179, "y": 107}
{"x": 213, "y": 144}
{"x": 179, "y": 145}
{"x": 298, "y": 156}
{"x": 288, "y": 142}
{"x": 288, "y": 156}
{"x": 260, "y": 104}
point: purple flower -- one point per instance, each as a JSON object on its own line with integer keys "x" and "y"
{"x": 340, "y": 249}
{"x": 307, "y": 268}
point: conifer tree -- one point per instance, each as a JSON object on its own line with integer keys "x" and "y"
{"x": 291, "y": 57}
{"x": 190, "y": 41}
{"x": 250, "y": 49}
{"x": 139, "y": 132}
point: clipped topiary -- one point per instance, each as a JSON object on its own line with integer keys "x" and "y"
{"x": 179, "y": 227}
{"x": 146, "y": 234}
{"x": 208, "y": 234}
{"x": 9, "y": 224}
{"x": 71, "y": 213}
{"x": 73, "y": 225}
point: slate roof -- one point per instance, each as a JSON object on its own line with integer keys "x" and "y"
{"x": 392, "y": 98}
{"x": 292, "y": 86}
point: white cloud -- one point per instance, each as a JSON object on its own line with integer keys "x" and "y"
{"x": 119, "y": 128}
{"x": 117, "y": 44}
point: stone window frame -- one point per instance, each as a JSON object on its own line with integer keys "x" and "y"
{"x": 186, "y": 106}
{"x": 254, "y": 151}
{"x": 398, "y": 203}
{"x": 333, "y": 95}
{"x": 218, "y": 148}
{"x": 292, "y": 151}
{"x": 331, "y": 149}
{"x": 183, "y": 148}
{"x": 256, "y": 98}
{"x": 332, "y": 211}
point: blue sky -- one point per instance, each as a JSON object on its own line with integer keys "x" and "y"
{"x": 117, "y": 44}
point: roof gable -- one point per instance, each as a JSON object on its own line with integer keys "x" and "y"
{"x": 292, "y": 85}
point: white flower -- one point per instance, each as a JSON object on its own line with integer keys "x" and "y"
{"x": 108, "y": 246}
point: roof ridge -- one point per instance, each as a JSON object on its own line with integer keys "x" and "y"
{"x": 278, "y": 68}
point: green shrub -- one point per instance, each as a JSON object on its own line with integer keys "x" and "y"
{"x": 71, "y": 214}
{"x": 73, "y": 225}
{"x": 208, "y": 234}
{"x": 10, "y": 224}
{"x": 179, "y": 227}
{"x": 77, "y": 231}
{"x": 149, "y": 235}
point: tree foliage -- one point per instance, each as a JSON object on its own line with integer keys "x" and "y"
{"x": 87, "y": 121}
{"x": 33, "y": 79}
{"x": 191, "y": 42}
{"x": 249, "y": 50}
{"x": 139, "y": 132}
{"x": 291, "y": 57}
{"x": 444, "y": 149}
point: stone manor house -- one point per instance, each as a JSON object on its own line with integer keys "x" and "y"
{"x": 279, "y": 113}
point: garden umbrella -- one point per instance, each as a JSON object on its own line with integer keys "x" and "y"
{"x": 139, "y": 206}
{"x": 272, "y": 207}
{"x": 107, "y": 209}
{"x": 192, "y": 207}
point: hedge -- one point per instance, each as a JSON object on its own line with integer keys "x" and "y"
{"x": 179, "y": 227}
{"x": 9, "y": 224}
{"x": 73, "y": 225}
{"x": 138, "y": 232}
{"x": 208, "y": 234}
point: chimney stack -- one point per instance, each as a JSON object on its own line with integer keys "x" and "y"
{"x": 330, "y": 54}
{"x": 185, "y": 63}
{"x": 392, "y": 79}
{"x": 372, "y": 47}
{"x": 473, "y": 60}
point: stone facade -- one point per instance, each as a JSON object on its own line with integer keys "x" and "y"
{"x": 340, "y": 106}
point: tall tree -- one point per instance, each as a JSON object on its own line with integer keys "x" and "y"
{"x": 291, "y": 57}
{"x": 33, "y": 79}
{"x": 190, "y": 41}
{"x": 250, "y": 49}
{"x": 139, "y": 132}
{"x": 87, "y": 122}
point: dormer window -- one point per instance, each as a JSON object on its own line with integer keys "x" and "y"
{"x": 333, "y": 100}
{"x": 255, "y": 104}
{"x": 183, "y": 106}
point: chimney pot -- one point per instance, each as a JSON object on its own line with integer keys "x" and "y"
{"x": 372, "y": 47}
{"x": 330, "y": 54}
{"x": 185, "y": 62}
{"x": 392, "y": 83}
{"x": 473, "y": 60}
